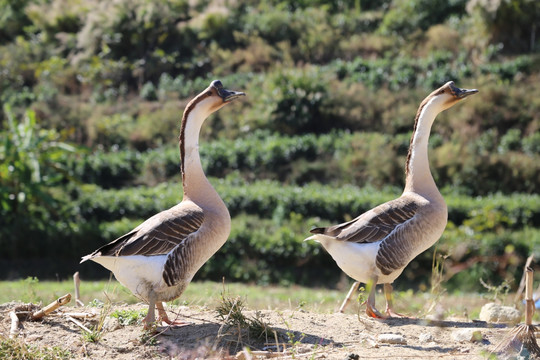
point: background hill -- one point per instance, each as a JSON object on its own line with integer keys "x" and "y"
{"x": 93, "y": 94}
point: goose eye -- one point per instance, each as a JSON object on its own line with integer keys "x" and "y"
{"x": 209, "y": 93}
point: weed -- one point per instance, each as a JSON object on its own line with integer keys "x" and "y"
{"x": 96, "y": 303}
{"x": 16, "y": 349}
{"x": 92, "y": 337}
{"x": 437, "y": 279}
{"x": 148, "y": 337}
{"x": 30, "y": 290}
{"x": 361, "y": 299}
{"x": 258, "y": 328}
{"x": 230, "y": 312}
{"x": 96, "y": 332}
{"x": 129, "y": 317}
{"x": 503, "y": 288}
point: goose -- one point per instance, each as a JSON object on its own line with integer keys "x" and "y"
{"x": 375, "y": 247}
{"x": 158, "y": 259}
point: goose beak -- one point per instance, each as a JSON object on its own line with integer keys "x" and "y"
{"x": 229, "y": 95}
{"x": 226, "y": 95}
{"x": 462, "y": 93}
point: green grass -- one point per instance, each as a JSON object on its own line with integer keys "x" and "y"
{"x": 255, "y": 297}
{"x": 198, "y": 293}
{"x": 17, "y": 350}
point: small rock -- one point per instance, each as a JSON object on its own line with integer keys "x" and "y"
{"x": 111, "y": 324}
{"x": 391, "y": 339}
{"x": 34, "y": 337}
{"x": 352, "y": 356}
{"x": 494, "y": 313}
{"x": 467, "y": 335}
{"x": 425, "y": 338}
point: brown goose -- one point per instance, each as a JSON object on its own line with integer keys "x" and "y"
{"x": 158, "y": 259}
{"x": 375, "y": 247}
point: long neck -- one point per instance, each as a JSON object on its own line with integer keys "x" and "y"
{"x": 196, "y": 185}
{"x": 418, "y": 175}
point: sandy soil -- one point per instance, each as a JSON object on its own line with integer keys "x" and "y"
{"x": 303, "y": 335}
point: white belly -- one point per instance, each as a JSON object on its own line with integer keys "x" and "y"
{"x": 136, "y": 272}
{"x": 356, "y": 260}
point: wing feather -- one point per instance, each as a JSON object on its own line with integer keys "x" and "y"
{"x": 374, "y": 225}
{"x": 159, "y": 234}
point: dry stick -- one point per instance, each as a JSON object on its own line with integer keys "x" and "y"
{"x": 522, "y": 282}
{"x": 80, "y": 315}
{"x": 353, "y": 289}
{"x": 51, "y": 307}
{"x": 79, "y": 324}
{"x": 14, "y": 330}
{"x": 77, "y": 282}
{"x": 524, "y": 335}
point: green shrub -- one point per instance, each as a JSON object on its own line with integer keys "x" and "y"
{"x": 405, "y": 17}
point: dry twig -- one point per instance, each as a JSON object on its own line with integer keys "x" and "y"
{"x": 63, "y": 300}
{"x": 79, "y": 324}
{"x": 350, "y": 294}
{"x": 77, "y": 283}
{"x": 521, "y": 287}
{"x": 14, "y": 330}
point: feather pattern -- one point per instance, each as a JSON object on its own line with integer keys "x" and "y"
{"x": 159, "y": 234}
{"x": 374, "y": 225}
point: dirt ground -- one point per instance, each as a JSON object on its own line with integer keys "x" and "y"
{"x": 303, "y": 335}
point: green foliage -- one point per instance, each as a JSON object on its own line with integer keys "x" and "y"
{"x": 507, "y": 22}
{"x": 16, "y": 349}
{"x": 31, "y": 163}
{"x": 332, "y": 88}
{"x": 13, "y": 18}
{"x": 128, "y": 317}
{"x": 405, "y": 17}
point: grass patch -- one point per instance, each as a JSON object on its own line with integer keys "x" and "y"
{"x": 16, "y": 349}
{"x": 129, "y": 317}
{"x": 207, "y": 293}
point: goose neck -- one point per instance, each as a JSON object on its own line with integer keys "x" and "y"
{"x": 418, "y": 173}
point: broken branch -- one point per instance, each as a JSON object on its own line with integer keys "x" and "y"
{"x": 14, "y": 330}
{"x": 79, "y": 324}
{"x": 77, "y": 282}
{"x": 51, "y": 307}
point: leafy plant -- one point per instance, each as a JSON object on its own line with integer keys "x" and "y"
{"x": 129, "y": 317}
{"x": 16, "y": 349}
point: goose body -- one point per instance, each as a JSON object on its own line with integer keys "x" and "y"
{"x": 158, "y": 259}
{"x": 376, "y": 247}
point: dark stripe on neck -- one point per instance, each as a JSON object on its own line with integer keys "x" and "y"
{"x": 416, "y": 119}
{"x": 181, "y": 143}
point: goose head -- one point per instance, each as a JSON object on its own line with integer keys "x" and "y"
{"x": 448, "y": 95}
{"x": 213, "y": 98}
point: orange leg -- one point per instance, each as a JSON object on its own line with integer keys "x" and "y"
{"x": 388, "y": 295}
{"x": 371, "y": 311}
{"x": 165, "y": 319}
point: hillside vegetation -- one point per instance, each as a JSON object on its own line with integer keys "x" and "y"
{"x": 93, "y": 94}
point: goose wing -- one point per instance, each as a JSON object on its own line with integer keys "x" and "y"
{"x": 374, "y": 225}
{"x": 159, "y": 234}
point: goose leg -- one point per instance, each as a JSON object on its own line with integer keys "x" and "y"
{"x": 388, "y": 295}
{"x": 150, "y": 317}
{"x": 371, "y": 311}
{"x": 165, "y": 319}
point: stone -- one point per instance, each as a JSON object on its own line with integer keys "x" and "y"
{"x": 467, "y": 335}
{"x": 495, "y": 313}
{"x": 391, "y": 339}
{"x": 111, "y": 324}
{"x": 425, "y": 338}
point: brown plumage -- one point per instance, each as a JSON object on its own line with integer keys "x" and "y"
{"x": 158, "y": 259}
{"x": 377, "y": 245}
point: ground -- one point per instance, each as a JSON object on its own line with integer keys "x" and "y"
{"x": 304, "y": 334}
